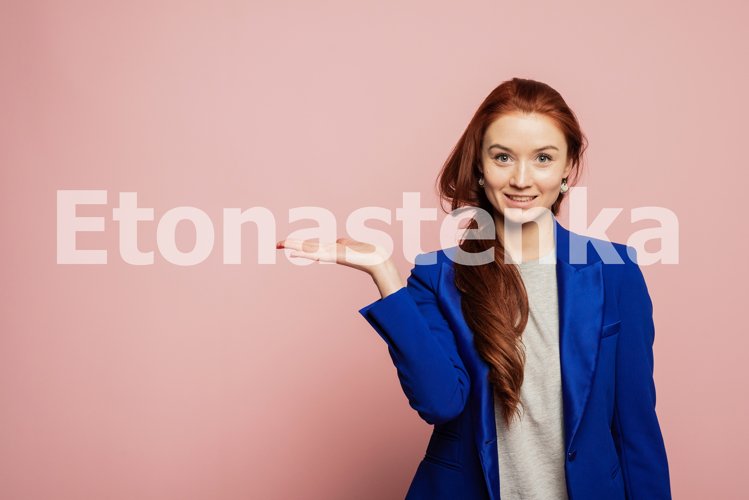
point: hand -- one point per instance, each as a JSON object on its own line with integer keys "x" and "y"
{"x": 345, "y": 251}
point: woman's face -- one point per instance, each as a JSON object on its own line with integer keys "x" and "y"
{"x": 524, "y": 155}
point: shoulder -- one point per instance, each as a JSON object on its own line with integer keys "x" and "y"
{"x": 619, "y": 260}
{"x": 583, "y": 250}
{"x": 428, "y": 265}
{"x": 435, "y": 257}
{"x": 622, "y": 269}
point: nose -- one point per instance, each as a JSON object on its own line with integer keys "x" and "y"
{"x": 521, "y": 175}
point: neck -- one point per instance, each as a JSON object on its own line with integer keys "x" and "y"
{"x": 528, "y": 240}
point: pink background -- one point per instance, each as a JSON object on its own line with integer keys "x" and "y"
{"x": 262, "y": 381}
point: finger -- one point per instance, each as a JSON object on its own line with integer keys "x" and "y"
{"x": 305, "y": 255}
{"x": 309, "y": 245}
{"x": 291, "y": 244}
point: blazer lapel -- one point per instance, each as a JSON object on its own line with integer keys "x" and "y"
{"x": 481, "y": 399}
{"x": 580, "y": 294}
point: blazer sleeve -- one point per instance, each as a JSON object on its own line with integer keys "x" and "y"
{"x": 422, "y": 346}
{"x": 635, "y": 427}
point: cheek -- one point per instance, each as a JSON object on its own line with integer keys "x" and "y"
{"x": 550, "y": 185}
{"x": 496, "y": 178}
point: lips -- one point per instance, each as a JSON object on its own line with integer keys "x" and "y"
{"x": 520, "y": 201}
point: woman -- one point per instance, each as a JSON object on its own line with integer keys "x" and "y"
{"x": 538, "y": 378}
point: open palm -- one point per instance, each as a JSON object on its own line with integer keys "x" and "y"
{"x": 345, "y": 251}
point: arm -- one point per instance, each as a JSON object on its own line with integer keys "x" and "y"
{"x": 636, "y": 431}
{"x": 422, "y": 346}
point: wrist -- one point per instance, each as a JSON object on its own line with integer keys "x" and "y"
{"x": 384, "y": 268}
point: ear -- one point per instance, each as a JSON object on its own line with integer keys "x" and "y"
{"x": 567, "y": 168}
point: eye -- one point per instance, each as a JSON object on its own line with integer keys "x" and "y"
{"x": 544, "y": 155}
{"x": 497, "y": 157}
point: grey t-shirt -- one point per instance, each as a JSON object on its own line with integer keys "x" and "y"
{"x": 531, "y": 450}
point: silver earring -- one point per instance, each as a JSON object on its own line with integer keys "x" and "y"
{"x": 564, "y": 187}
{"x": 481, "y": 182}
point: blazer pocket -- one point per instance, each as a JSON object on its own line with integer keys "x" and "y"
{"x": 611, "y": 329}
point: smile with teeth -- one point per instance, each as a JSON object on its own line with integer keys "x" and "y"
{"x": 520, "y": 198}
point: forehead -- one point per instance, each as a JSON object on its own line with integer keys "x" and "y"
{"x": 524, "y": 131}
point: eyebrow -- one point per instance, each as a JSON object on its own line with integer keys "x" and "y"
{"x": 511, "y": 151}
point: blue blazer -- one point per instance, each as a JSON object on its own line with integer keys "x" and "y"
{"x": 613, "y": 443}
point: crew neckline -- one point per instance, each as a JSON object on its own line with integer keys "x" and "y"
{"x": 549, "y": 258}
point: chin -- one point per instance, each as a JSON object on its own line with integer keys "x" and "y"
{"x": 523, "y": 215}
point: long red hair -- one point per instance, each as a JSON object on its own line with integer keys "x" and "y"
{"x": 494, "y": 299}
